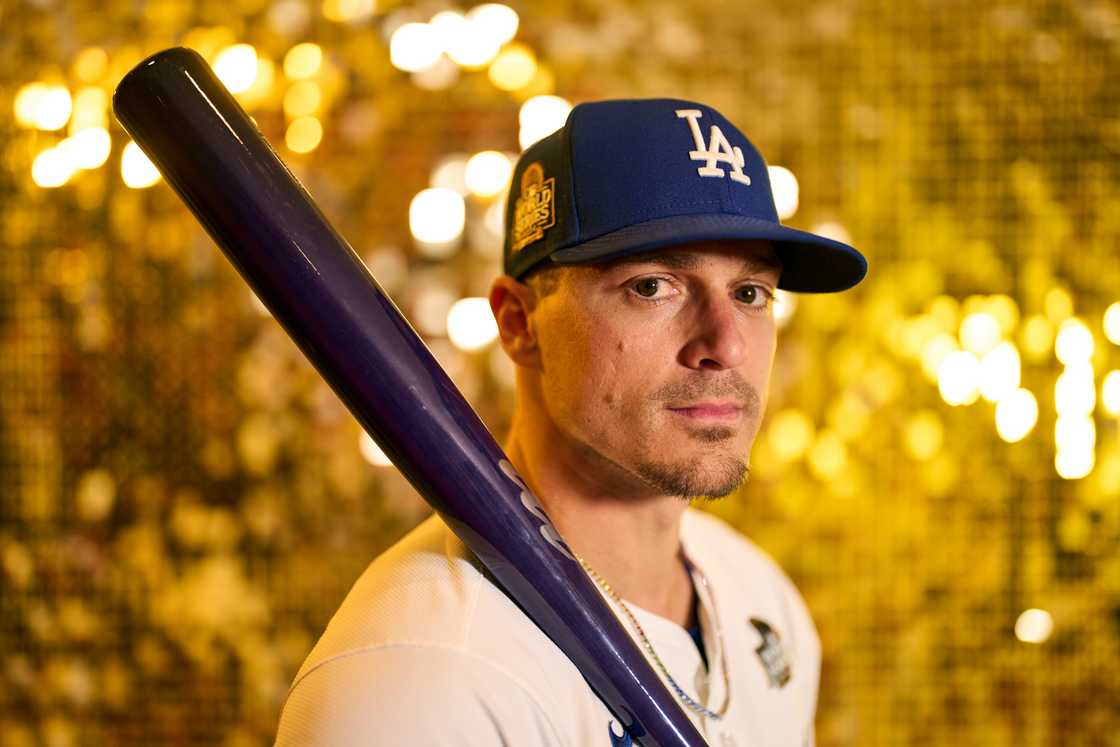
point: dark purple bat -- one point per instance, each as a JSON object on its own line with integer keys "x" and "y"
{"x": 317, "y": 287}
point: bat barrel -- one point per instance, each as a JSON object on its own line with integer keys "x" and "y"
{"x": 320, "y": 291}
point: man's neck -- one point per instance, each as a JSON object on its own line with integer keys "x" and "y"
{"x": 619, "y": 525}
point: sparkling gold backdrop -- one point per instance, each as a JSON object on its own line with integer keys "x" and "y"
{"x": 183, "y": 502}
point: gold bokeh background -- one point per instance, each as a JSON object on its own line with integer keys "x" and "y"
{"x": 183, "y": 502}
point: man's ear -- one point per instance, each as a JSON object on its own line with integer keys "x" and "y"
{"x": 513, "y": 303}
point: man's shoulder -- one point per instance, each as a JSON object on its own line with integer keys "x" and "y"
{"x": 428, "y": 593}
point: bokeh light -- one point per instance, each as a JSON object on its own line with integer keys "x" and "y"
{"x": 43, "y": 106}
{"x": 236, "y": 67}
{"x": 979, "y": 332}
{"x": 304, "y": 135}
{"x": 137, "y": 170}
{"x": 51, "y": 169}
{"x": 1034, "y": 626}
{"x": 1111, "y": 323}
{"x": 1000, "y": 372}
{"x": 470, "y": 324}
{"x": 1074, "y": 342}
{"x": 541, "y": 116}
{"x": 1016, "y": 415}
{"x": 958, "y": 378}
{"x": 487, "y": 173}
{"x": 371, "y": 452}
{"x": 784, "y": 186}
{"x": 437, "y": 215}
{"x": 513, "y": 68}
{"x": 303, "y": 61}
{"x": 414, "y": 46}
{"x": 1110, "y": 392}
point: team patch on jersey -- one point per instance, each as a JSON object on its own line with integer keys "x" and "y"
{"x": 535, "y": 209}
{"x": 617, "y": 740}
{"x": 772, "y": 654}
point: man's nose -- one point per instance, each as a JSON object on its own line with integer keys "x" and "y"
{"x": 717, "y": 339}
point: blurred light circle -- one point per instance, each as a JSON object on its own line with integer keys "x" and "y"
{"x": 88, "y": 149}
{"x": 1005, "y": 310}
{"x": 785, "y": 304}
{"x": 302, "y": 98}
{"x": 90, "y": 105}
{"x": 487, "y": 173}
{"x": 348, "y": 11}
{"x": 1111, "y": 323}
{"x": 90, "y": 64}
{"x": 495, "y": 218}
{"x": 513, "y": 68}
{"x": 414, "y": 46}
{"x": 924, "y": 435}
{"x": 784, "y": 186}
{"x": 496, "y": 21}
{"x": 304, "y": 135}
{"x": 430, "y": 309}
{"x": 827, "y": 456}
{"x": 1034, "y": 626}
{"x": 1075, "y": 433}
{"x": 289, "y": 17}
{"x": 833, "y": 230}
{"x": 1074, "y": 342}
{"x": 236, "y": 67}
{"x": 958, "y": 378}
{"x": 541, "y": 116}
{"x": 470, "y": 324}
{"x": 441, "y": 74}
{"x": 43, "y": 106}
{"x": 1016, "y": 415}
{"x": 1110, "y": 393}
{"x": 1000, "y": 372}
{"x": 450, "y": 172}
{"x": 388, "y": 266}
{"x": 26, "y": 103}
{"x": 51, "y": 168}
{"x": 303, "y": 61}
{"x": 1073, "y": 464}
{"x": 437, "y": 215}
{"x": 371, "y": 452}
{"x": 448, "y": 26}
{"x": 1075, "y": 392}
{"x": 979, "y": 332}
{"x": 137, "y": 170}
{"x": 1037, "y": 335}
{"x": 935, "y": 352}
{"x": 790, "y": 434}
{"x": 472, "y": 50}
{"x": 1058, "y": 305}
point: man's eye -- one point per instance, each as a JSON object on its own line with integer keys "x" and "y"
{"x": 752, "y": 294}
{"x": 647, "y": 287}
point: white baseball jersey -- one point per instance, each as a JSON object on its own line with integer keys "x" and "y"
{"x": 426, "y": 651}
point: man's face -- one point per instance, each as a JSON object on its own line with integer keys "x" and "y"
{"x": 656, "y": 367}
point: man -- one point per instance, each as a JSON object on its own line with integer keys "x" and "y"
{"x": 642, "y": 256}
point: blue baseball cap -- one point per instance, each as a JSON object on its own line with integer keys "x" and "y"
{"x": 632, "y": 175}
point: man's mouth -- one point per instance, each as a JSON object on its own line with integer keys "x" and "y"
{"x": 714, "y": 411}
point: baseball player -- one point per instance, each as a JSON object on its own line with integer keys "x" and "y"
{"x": 642, "y": 255}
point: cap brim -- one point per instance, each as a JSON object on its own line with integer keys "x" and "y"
{"x": 810, "y": 263}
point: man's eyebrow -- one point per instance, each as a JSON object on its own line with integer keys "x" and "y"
{"x": 689, "y": 261}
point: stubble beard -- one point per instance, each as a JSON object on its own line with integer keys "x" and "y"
{"x": 712, "y": 475}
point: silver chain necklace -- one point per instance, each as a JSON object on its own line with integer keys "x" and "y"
{"x": 685, "y": 698}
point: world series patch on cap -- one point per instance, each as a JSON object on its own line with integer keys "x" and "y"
{"x": 633, "y": 175}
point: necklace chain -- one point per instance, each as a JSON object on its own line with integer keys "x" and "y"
{"x": 687, "y": 699}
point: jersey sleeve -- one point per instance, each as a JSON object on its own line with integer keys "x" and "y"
{"x": 411, "y": 695}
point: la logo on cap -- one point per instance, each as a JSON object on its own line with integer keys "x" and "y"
{"x": 719, "y": 150}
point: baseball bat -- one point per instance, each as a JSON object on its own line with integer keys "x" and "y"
{"x": 323, "y": 295}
